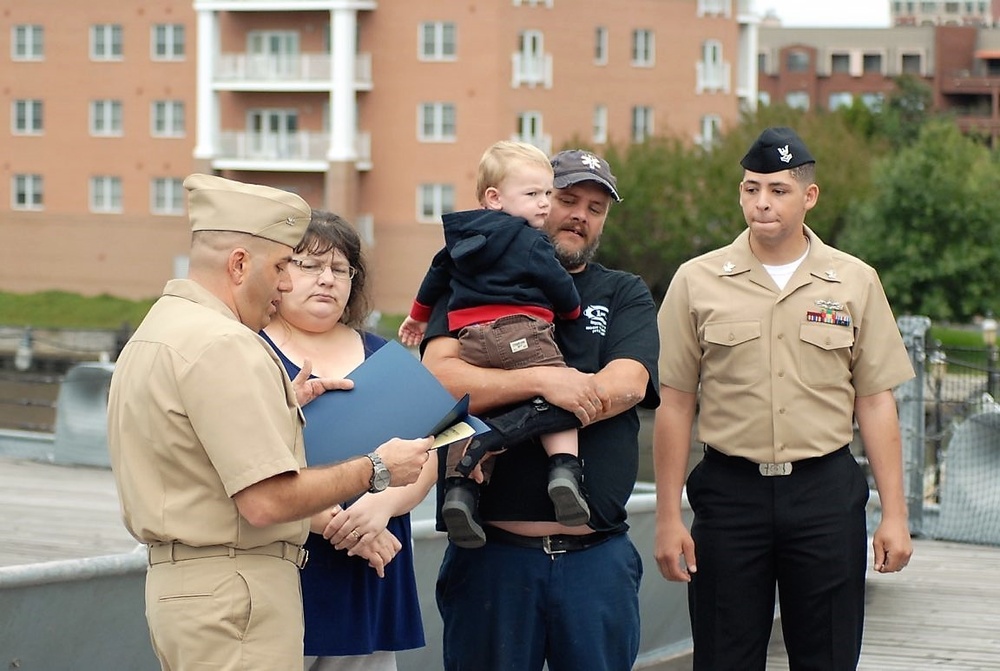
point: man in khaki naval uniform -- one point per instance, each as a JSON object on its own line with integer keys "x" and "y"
{"x": 205, "y": 435}
{"x": 787, "y": 340}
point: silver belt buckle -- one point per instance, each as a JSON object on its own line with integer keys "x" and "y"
{"x": 547, "y": 547}
{"x": 772, "y": 470}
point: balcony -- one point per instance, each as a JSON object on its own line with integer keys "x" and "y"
{"x": 543, "y": 142}
{"x": 268, "y": 72}
{"x": 531, "y": 70}
{"x": 712, "y": 77}
{"x": 302, "y": 151}
{"x": 979, "y": 80}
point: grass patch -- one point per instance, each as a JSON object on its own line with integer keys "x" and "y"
{"x": 62, "y": 309}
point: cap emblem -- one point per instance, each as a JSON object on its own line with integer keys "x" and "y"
{"x": 591, "y": 161}
{"x": 784, "y": 155}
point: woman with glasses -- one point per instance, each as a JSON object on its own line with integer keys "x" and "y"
{"x": 358, "y": 587}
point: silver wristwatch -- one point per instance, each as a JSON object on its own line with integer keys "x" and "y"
{"x": 380, "y": 474}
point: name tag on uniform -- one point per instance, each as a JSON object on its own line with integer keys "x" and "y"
{"x": 772, "y": 470}
{"x": 519, "y": 345}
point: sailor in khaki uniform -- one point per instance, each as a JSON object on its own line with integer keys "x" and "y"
{"x": 205, "y": 435}
{"x": 782, "y": 341}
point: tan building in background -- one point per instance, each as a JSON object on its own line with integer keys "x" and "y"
{"x": 376, "y": 110}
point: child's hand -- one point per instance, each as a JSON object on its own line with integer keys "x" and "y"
{"x": 411, "y": 332}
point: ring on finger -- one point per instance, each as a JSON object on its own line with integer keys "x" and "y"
{"x": 355, "y": 535}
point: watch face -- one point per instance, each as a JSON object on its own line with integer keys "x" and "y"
{"x": 380, "y": 480}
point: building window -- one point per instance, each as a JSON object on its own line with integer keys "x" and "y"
{"x": 873, "y": 101}
{"x": 531, "y": 65}
{"x": 797, "y": 61}
{"x": 762, "y": 62}
{"x": 106, "y": 42}
{"x": 600, "y": 131}
{"x": 951, "y": 8}
{"x": 840, "y": 99}
{"x": 167, "y": 118}
{"x": 642, "y": 123}
{"x": 27, "y": 192}
{"x": 600, "y": 45}
{"x": 167, "y": 196}
{"x": 273, "y": 55}
{"x": 711, "y": 127}
{"x": 643, "y": 48}
{"x": 840, "y": 63}
{"x": 28, "y": 117}
{"x": 106, "y": 118}
{"x": 912, "y": 65}
{"x": 106, "y": 194}
{"x": 797, "y": 100}
{"x": 436, "y": 123}
{"x": 872, "y": 64}
{"x": 437, "y": 41}
{"x": 711, "y": 70}
{"x": 763, "y": 98}
{"x": 534, "y": 3}
{"x": 928, "y": 7}
{"x": 27, "y": 43}
{"x": 530, "y": 130}
{"x": 433, "y": 200}
{"x": 714, "y": 8}
{"x": 168, "y": 42}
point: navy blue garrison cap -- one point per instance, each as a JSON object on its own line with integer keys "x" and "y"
{"x": 775, "y": 150}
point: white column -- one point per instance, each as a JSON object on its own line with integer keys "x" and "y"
{"x": 206, "y": 99}
{"x": 343, "y": 124}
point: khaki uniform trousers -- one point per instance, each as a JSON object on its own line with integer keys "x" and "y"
{"x": 226, "y": 614}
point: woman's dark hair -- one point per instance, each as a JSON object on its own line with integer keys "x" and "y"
{"x": 328, "y": 232}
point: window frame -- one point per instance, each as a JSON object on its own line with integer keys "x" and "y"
{"x": 642, "y": 123}
{"x": 27, "y": 42}
{"x": 169, "y": 42}
{"x": 100, "y": 110}
{"x": 168, "y": 116}
{"x": 162, "y": 189}
{"x": 437, "y": 42}
{"x": 437, "y": 195}
{"x": 643, "y": 48}
{"x": 105, "y": 188}
{"x": 434, "y": 124}
{"x": 111, "y": 37}
{"x": 33, "y": 111}
{"x": 601, "y": 41}
{"x": 29, "y": 187}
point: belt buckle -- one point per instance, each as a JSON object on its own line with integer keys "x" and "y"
{"x": 547, "y": 547}
{"x": 302, "y": 557}
{"x": 772, "y": 470}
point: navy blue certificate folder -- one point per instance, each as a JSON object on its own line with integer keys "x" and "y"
{"x": 394, "y": 395}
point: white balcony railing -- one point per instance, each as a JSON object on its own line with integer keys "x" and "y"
{"x": 531, "y": 70}
{"x": 244, "y": 68}
{"x": 712, "y": 77}
{"x": 299, "y": 146}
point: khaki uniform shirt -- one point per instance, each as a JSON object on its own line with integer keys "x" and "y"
{"x": 199, "y": 409}
{"x": 778, "y": 369}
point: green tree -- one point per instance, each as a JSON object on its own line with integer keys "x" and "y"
{"x": 932, "y": 227}
{"x": 681, "y": 200}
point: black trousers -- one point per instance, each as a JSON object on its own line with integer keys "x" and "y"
{"x": 804, "y": 533}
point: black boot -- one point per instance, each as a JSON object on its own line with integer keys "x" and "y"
{"x": 566, "y": 490}
{"x": 460, "y": 513}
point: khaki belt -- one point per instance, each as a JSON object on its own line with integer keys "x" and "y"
{"x": 162, "y": 553}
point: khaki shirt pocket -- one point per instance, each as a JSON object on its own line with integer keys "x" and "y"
{"x": 733, "y": 352}
{"x": 825, "y": 354}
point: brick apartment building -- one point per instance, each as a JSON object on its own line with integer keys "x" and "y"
{"x": 829, "y": 68}
{"x": 378, "y": 110}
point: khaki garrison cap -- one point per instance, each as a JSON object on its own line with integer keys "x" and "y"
{"x": 219, "y": 204}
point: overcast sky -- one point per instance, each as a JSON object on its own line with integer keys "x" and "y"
{"x": 838, "y": 13}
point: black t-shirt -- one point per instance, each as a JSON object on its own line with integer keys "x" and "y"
{"x": 618, "y": 322}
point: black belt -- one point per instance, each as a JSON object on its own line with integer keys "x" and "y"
{"x": 550, "y": 545}
{"x": 162, "y": 553}
{"x": 768, "y": 469}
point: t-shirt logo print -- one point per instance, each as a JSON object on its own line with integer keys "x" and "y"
{"x": 597, "y": 316}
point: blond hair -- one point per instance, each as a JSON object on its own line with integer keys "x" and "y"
{"x": 501, "y": 159}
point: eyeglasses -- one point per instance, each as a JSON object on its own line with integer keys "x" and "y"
{"x": 310, "y": 267}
